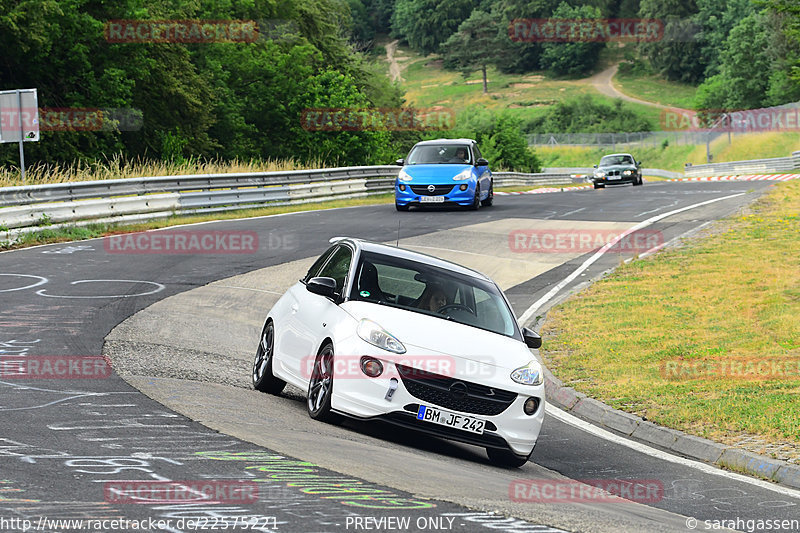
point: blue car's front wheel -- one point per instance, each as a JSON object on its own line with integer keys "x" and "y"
{"x": 476, "y": 202}
{"x": 490, "y": 198}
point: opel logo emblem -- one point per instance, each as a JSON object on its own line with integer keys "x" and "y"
{"x": 458, "y": 390}
{"x": 431, "y": 188}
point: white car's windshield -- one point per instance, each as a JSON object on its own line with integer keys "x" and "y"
{"x": 422, "y": 288}
{"x": 432, "y": 154}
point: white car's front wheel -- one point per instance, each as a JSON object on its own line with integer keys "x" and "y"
{"x": 320, "y": 387}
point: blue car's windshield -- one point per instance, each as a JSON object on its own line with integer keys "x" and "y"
{"x": 422, "y": 288}
{"x": 433, "y": 154}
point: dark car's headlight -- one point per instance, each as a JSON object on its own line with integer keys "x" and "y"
{"x": 600, "y": 174}
{"x": 627, "y": 172}
{"x": 463, "y": 175}
{"x": 530, "y": 374}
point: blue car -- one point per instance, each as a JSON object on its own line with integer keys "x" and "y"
{"x": 444, "y": 172}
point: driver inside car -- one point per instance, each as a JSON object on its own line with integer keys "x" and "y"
{"x": 433, "y": 299}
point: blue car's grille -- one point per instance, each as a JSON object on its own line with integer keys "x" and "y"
{"x": 438, "y": 190}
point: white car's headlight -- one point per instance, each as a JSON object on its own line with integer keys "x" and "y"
{"x": 463, "y": 175}
{"x": 377, "y": 336}
{"x": 403, "y": 176}
{"x": 530, "y": 374}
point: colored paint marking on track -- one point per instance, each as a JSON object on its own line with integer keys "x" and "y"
{"x": 744, "y": 177}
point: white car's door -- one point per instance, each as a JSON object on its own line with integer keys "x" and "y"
{"x": 311, "y": 317}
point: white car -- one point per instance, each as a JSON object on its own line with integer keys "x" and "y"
{"x": 379, "y": 332}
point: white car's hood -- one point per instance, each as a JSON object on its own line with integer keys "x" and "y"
{"x": 428, "y": 335}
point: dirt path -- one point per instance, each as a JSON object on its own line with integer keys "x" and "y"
{"x": 394, "y": 67}
{"x": 603, "y": 82}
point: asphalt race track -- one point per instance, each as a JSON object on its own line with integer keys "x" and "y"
{"x": 182, "y": 329}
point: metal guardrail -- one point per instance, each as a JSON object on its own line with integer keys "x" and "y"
{"x": 68, "y": 192}
{"x": 24, "y": 208}
{"x": 753, "y": 166}
{"x": 27, "y": 207}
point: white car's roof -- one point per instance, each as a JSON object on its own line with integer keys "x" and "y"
{"x": 611, "y": 155}
{"x": 403, "y": 253}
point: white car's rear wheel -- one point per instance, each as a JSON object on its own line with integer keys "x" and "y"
{"x": 263, "y": 379}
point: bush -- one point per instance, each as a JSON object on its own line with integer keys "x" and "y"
{"x": 586, "y": 115}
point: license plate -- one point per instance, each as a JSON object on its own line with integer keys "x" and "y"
{"x": 431, "y": 199}
{"x": 613, "y": 177}
{"x": 453, "y": 420}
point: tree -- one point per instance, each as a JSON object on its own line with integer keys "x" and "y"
{"x": 476, "y": 44}
{"x": 677, "y": 56}
{"x": 507, "y": 147}
{"x": 746, "y": 52}
{"x": 426, "y": 24}
{"x": 571, "y": 58}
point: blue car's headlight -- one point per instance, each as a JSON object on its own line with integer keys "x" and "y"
{"x": 403, "y": 176}
{"x": 377, "y": 336}
{"x": 530, "y": 374}
{"x": 463, "y": 175}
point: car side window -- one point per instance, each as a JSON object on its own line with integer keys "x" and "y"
{"x": 312, "y": 272}
{"x": 338, "y": 266}
{"x": 477, "y": 152}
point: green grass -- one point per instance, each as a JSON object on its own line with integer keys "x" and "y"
{"x": 119, "y": 168}
{"x": 526, "y": 96}
{"x": 732, "y": 296}
{"x": 656, "y": 89}
{"x": 673, "y": 157}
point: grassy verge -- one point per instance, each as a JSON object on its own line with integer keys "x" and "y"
{"x": 75, "y": 233}
{"x": 652, "y": 338}
{"x": 656, "y": 89}
{"x": 673, "y": 157}
{"x": 118, "y": 167}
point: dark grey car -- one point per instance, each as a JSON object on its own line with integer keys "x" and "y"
{"x": 617, "y": 168}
